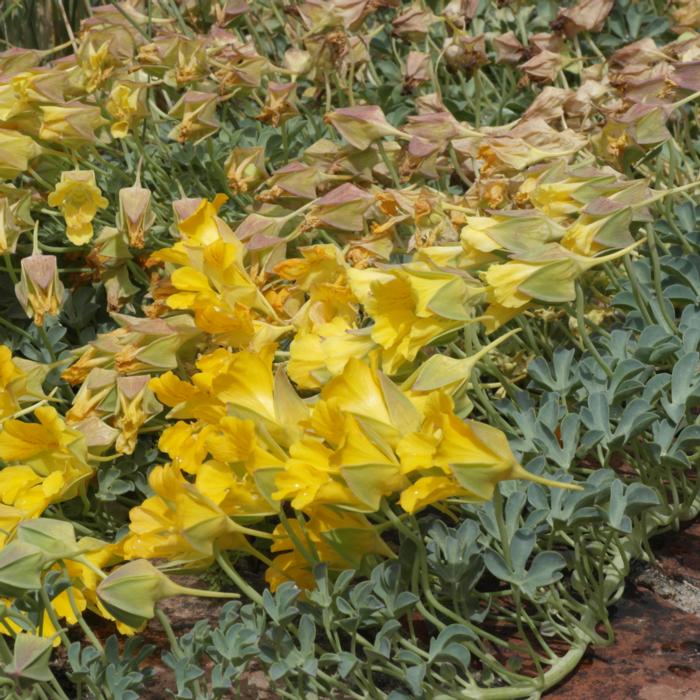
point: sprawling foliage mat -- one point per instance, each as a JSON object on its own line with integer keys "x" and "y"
{"x": 378, "y": 319}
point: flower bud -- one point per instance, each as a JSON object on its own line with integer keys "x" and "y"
{"x": 30, "y": 659}
{"x": 131, "y": 592}
{"x": 56, "y": 538}
{"x": 20, "y": 568}
{"x": 39, "y": 290}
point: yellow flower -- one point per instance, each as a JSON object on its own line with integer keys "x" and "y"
{"x": 10, "y": 376}
{"x": 78, "y": 198}
{"x": 72, "y": 124}
{"x": 186, "y": 444}
{"x": 321, "y": 354}
{"x": 179, "y": 522}
{"x": 235, "y": 494}
{"x": 337, "y": 538}
{"x": 309, "y": 478}
{"x": 412, "y": 306}
{"x": 428, "y": 490}
{"x": 127, "y": 105}
{"x": 589, "y": 235}
{"x": 49, "y": 447}
{"x": 201, "y": 226}
{"x": 16, "y": 151}
{"x": 10, "y": 518}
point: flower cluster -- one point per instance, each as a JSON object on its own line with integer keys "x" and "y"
{"x": 299, "y": 353}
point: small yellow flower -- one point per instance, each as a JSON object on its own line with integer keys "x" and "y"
{"x": 78, "y": 197}
{"x": 127, "y": 104}
{"x": 16, "y": 150}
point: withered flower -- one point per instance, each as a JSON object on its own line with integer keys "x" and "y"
{"x": 39, "y": 290}
{"x": 585, "y": 16}
{"x": 508, "y": 49}
{"x": 197, "y": 114}
{"x": 245, "y": 168}
{"x": 417, "y": 69}
{"x": 414, "y": 24}
{"x": 279, "y": 104}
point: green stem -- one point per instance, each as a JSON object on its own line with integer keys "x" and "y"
{"x": 237, "y": 580}
{"x": 389, "y": 165}
{"x": 581, "y": 322}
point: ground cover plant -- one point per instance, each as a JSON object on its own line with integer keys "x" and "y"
{"x": 382, "y": 318}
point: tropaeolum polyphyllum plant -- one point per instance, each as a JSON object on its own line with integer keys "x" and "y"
{"x": 379, "y": 316}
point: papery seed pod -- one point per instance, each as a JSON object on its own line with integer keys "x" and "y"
{"x": 279, "y": 104}
{"x": 230, "y": 10}
{"x": 459, "y": 11}
{"x": 30, "y": 659}
{"x": 17, "y": 60}
{"x": 343, "y": 208}
{"x": 96, "y": 396}
{"x": 544, "y": 41}
{"x": 585, "y": 16}
{"x": 136, "y": 404}
{"x": 40, "y": 290}
{"x": 417, "y": 70}
{"x": 56, "y": 538}
{"x": 544, "y": 66}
